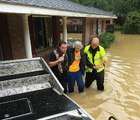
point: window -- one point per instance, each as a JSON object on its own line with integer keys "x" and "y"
{"x": 74, "y": 25}
{"x": 43, "y": 33}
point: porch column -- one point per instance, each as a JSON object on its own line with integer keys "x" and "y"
{"x": 27, "y": 40}
{"x": 111, "y": 21}
{"x": 104, "y": 26}
{"x": 65, "y": 29}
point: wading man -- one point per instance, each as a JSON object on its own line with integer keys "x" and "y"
{"x": 95, "y": 62}
{"x": 58, "y": 63}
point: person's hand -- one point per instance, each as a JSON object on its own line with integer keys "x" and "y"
{"x": 96, "y": 67}
{"x": 61, "y": 59}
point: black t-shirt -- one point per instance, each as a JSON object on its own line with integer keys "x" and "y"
{"x": 53, "y": 58}
{"x": 64, "y": 63}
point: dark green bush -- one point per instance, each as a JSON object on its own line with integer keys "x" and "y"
{"x": 106, "y": 39}
{"x": 118, "y": 28}
{"x": 132, "y": 23}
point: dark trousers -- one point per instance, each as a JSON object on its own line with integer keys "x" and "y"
{"x": 62, "y": 79}
{"x": 99, "y": 77}
{"x": 75, "y": 76}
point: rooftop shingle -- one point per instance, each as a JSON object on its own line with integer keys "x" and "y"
{"x": 64, "y": 5}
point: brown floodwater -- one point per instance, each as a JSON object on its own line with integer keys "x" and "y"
{"x": 121, "y": 97}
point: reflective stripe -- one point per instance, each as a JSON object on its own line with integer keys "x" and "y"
{"x": 97, "y": 59}
{"x": 103, "y": 56}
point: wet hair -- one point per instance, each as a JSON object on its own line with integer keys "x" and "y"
{"x": 61, "y": 42}
{"x": 78, "y": 44}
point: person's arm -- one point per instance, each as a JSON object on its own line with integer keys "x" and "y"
{"x": 104, "y": 57}
{"x": 88, "y": 64}
{"x": 99, "y": 65}
{"x": 53, "y": 61}
{"x": 103, "y": 60}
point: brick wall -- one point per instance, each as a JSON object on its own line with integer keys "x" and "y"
{"x": 17, "y": 39}
{"x": 16, "y": 35}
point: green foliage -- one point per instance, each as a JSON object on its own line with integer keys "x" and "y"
{"x": 122, "y": 7}
{"x": 77, "y": 1}
{"x": 118, "y": 28}
{"x": 132, "y": 23}
{"x": 119, "y": 7}
{"x": 106, "y": 39}
{"x": 87, "y": 2}
{"x": 102, "y": 4}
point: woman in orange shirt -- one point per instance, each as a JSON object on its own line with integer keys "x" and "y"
{"x": 76, "y": 67}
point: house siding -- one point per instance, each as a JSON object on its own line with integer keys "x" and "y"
{"x": 89, "y": 29}
{"x": 16, "y": 35}
{"x": 15, "y": 25}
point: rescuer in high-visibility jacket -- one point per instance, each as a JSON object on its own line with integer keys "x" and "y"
{"x": 95, "y": 63}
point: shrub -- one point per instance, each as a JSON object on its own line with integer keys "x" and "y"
{"x": 106, "y": 39}
{"x": 132, "y": 23}
{"x": 118, "y": 28}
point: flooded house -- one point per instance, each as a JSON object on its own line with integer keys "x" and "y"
{"x": 31, "y": 28}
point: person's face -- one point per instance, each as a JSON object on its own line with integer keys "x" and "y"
{"x": 63, "y": 48}
{"x": 95, "y": 43}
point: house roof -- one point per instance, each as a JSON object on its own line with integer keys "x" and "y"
{"x": 59, "y": 6}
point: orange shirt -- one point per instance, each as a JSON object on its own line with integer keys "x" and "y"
{"x": 75, "y": 65}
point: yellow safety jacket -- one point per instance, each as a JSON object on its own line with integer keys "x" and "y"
{"x": 98, "y": 58}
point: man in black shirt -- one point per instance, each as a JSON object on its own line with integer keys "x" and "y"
{"x": 58, "y": 63}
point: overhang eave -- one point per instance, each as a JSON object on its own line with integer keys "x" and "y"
{"x": 41, "y": 11}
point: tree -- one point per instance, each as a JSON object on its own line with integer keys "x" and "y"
{"x": 102, "y": 4}
{"x": 87, "y": 2}
{"x": 119, "y": 7}
{"x": 132, "y": 23}
{"x": 122, "y": 7}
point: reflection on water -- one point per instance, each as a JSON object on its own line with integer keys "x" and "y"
{"x": 121, "y": 97}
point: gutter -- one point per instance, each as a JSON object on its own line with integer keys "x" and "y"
{"x": 24, "y": 9}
